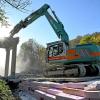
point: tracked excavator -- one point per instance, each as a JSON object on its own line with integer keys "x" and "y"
{"x": 81, "y": 61}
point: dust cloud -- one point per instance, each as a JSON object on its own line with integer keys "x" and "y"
{"x": 29, "y": 59}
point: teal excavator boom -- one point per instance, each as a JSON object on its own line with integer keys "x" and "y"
{"x": 28, "y": 20}
{"x": 54, "y": 22}
{"x": 58, "y": 27}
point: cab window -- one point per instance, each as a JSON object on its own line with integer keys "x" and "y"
{"x": 55, "y": 50}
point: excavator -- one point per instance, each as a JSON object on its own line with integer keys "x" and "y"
{"x": 80, "y": 61}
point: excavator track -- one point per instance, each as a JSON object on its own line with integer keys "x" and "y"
{"x": 75, "y": 70}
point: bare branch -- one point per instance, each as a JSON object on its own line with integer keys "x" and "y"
{"x": 18, "y": 4}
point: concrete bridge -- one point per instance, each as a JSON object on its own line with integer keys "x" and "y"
{"x": 9, "y": 44}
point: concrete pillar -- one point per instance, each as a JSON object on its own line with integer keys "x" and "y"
{"x": 7, "y": 62}
{"x": 13, "y": 62}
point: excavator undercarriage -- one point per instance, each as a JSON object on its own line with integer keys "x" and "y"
{"x": 81, "y": 61}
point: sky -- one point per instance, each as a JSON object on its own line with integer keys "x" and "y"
{"x": 79, "y": 17}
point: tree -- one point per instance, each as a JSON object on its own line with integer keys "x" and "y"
{"x": 31, "y": 57}
{"x": 93, "y": 38}
{"x": 3, "y": 18}
{"x": 18, "y": 4}
{"x": 75, "y": 41}
{"x": 85, "y": 39}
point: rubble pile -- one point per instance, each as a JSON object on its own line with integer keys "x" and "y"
{"x": 25, "y": 91}
{"x": 64, "y": 91}
{"x": 33, "y": 90}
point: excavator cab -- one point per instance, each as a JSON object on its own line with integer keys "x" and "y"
{"x": 55, "y": 51}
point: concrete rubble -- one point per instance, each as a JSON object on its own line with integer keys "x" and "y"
{"x": 26, "y": 96}
{"x": 56, "y": 91}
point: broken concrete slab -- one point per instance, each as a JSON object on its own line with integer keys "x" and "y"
{"x": 40, "y": 95}
{"x": 64, "y": 96}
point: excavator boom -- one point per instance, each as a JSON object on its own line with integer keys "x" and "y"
{"x": 28, "y": 20}
{"x": 54, "y": 22}
{"x": 58, "y": 27}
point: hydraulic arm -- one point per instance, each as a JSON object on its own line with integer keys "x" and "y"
{"x": 28, "y": 20}
{"x": 54, "y": 22}
{"x": 57, "y": 27}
